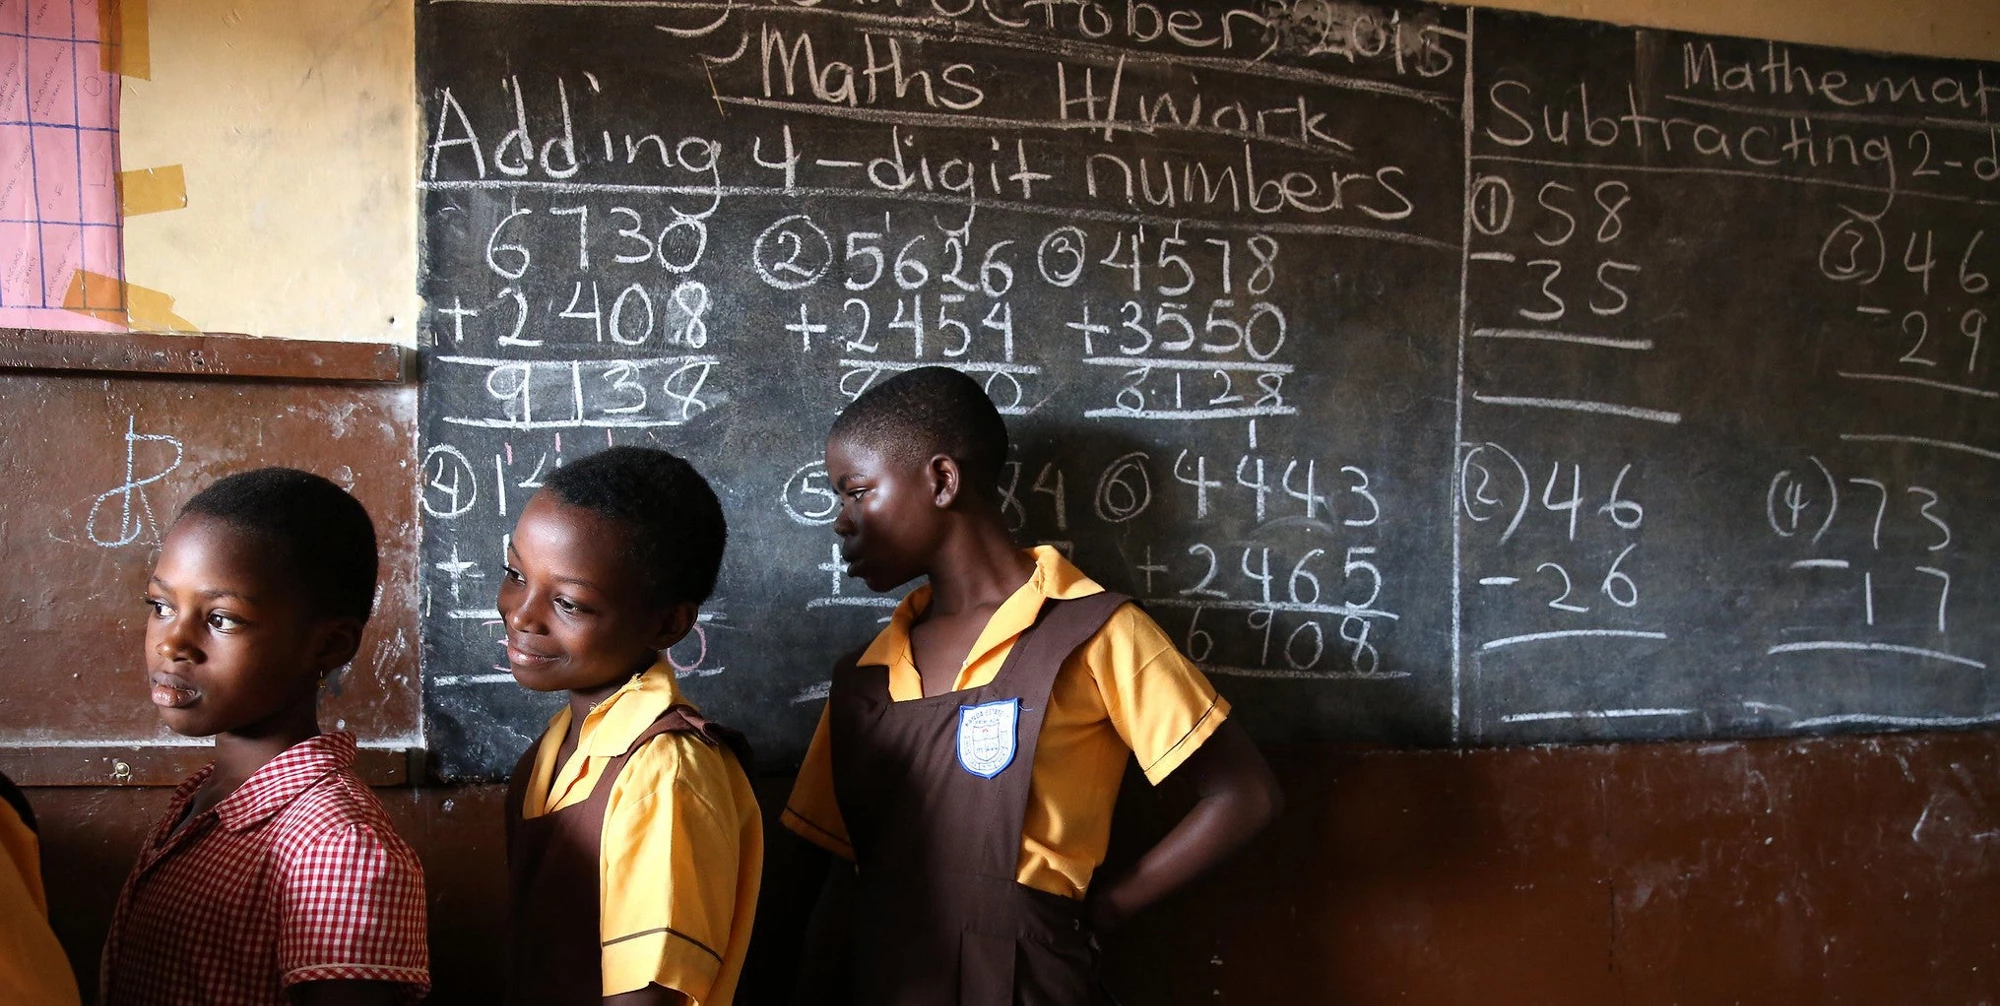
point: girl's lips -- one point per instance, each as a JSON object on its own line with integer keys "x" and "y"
{"x": 522, "y": 658}
{"x": 169, "y": 693}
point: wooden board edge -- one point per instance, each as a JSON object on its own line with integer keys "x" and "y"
{"x": 168, "y": 764}
{"x": 206, "y": 355}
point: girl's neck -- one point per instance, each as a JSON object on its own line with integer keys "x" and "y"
{"x": 978, "y": 568}
{"x": 583, "y": 700}
{"x": 240, "y": 753}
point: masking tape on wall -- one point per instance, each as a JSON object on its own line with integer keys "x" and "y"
{"x": 105, "y": 298}
{"x": 151, "y": 190}
{"x": 125, "y": 48}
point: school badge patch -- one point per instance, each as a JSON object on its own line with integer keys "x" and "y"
{"x": 986, "y": 736}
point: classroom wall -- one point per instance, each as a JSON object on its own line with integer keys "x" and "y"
{"x": 1843, "y": 869}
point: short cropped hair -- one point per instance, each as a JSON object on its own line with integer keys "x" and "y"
{"x": 322, "y": 535}
{"x": 928, "y": 411}
{"x": 676, "y": 522}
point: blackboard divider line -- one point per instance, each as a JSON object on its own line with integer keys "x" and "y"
{"x": 457, "y": 680}
{"x": 1536, "y": 637}
{"x": 1816, "y": 645}
{"x": 1973, "y": 125}
{"x": 1288, "y": 607}
{"x": 1881, "y": 720}
{"x": 1289, "y": 674}
{"x": 967, "y": 366}
{"x": 1581, "y": 405}
{"x": 1240, "y": 412}
{"x": 1466, "y": 256}
{"x": 1668, "y": 169}
{"x": 1593, "y": 714}
{"x": 567, "y": 424}
{"x": 947, "y": 29}
{"x": 1547, "y": 335}
{"x": 1174, "y": 364}
{"x": 1924, "y": 381}
{"x": 1898, "y": 438}
{"x": 484, "y": 361}
{"x": 1093, "y": 214}
{"x": 852, "y": 601}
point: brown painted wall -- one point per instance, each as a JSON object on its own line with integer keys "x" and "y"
{"x": 98, "y": 459}
{"x": 1845, "y": 870}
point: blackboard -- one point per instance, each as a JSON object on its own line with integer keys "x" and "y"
{"x": 1436, "y": 376}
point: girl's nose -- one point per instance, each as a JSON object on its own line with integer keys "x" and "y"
{"x": 174, "y": 643}
{"x": 524, "y": 617}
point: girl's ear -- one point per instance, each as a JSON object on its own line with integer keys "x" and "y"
{"x": 946, "y": 480}
{"x": 675, "y": 623}
{"x": 338, "y": 639}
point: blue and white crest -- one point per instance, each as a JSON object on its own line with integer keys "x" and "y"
{"x": 986, "y": 736}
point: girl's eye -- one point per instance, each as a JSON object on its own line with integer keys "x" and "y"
{"x": 566, "y": 605}
{"x": 224, "y": 622}
{"x": 513, "y": 575}
{"x": 158, "y": 607}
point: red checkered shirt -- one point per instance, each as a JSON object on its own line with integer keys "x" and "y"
{"x": 297, "y": 876}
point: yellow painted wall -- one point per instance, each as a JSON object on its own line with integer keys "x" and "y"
{"x": 295, "y": 121}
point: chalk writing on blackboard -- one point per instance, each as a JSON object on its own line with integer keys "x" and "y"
{"x": 137, "y": 519}
{"x": 1434, "y": 376}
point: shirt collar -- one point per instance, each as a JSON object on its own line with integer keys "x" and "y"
{"x": 611, "y": 727}
{"x": 1054, "y": 578}
{"x": 280, "y": 781}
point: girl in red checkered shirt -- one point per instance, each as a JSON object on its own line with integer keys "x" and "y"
{"x": 274, "y": 878}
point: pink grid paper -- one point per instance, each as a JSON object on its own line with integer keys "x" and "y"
{"x": 58, "y": 164}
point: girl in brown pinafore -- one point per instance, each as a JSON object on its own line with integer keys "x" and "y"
{"x": 634, "y": 845}
{"x": 968, "y": 759}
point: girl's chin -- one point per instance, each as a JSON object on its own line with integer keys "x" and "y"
{"x": 535, "y": 679}
{"x": 187, "y": 723}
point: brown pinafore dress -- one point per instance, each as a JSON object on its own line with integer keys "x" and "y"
{"x": 933, "y": 791}
{"x": 556, "y": 953}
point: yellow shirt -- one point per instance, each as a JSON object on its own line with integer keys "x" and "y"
{"x": 683, "y": 844}
{"x": 1125, "y": 692}
{"x": 32, "y": 966}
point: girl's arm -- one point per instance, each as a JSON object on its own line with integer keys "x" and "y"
{"x": 1236, "y": 798}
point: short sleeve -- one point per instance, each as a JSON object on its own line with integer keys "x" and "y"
{"x": 353, "y": 910}
{"x": 672, "y": 862}
{"x": 812, "y": 812}
{"x": 1160, "y": 704}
